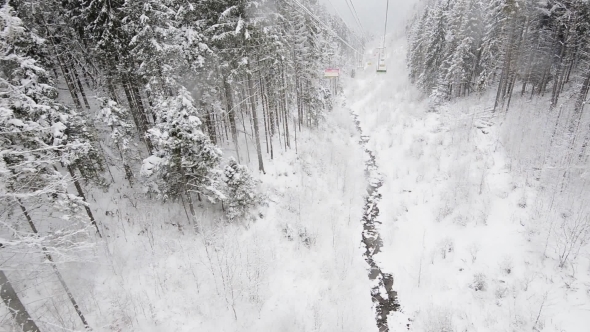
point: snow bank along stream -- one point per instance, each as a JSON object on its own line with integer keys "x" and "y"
{"x": 382, "y": 293}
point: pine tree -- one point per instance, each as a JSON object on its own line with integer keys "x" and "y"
{"x": 116, "y": 118}
{"x": 184, "y": 160}
{"x": 241, "y": 191}
{"x": 435, "y": 29}
{"x": 39, "y": 135}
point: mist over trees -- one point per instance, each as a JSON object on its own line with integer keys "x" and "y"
{"x": 524, "y": 65}
{"x": 527, "y": 47}
{"x": 530, "y": 50}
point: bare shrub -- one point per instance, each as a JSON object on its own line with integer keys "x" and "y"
{"x": 526, "y": 281}
{"x": 446, "y": 246}
{"x": 522, "y": 201}
{"x": 460, "y": 220}
{"x": 444, "y": 212}
{"x": 500, "y": 292}
{"x": 573, "y": 233}
{"x": 531, "y": 230}
{"x": 439, "y": 320}
{"x": 507, "y": 265}
{"x": 473, "y": 251}
{"x": 484, "y": 213}
{"x": 479, "y": 282}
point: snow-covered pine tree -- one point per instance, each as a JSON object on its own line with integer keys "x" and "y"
{"x": 461, "y": 61}
{"x": 116, "y": 117}
{"x": 242, "y": 26}
{"x": 435, "y": 31}
{"x": 102, "y": 27}
{"x": 39, "y": 135}
{"x": 241, "y": 194}
{"x": 184, "y": 160}
{"x": 417, "y": 43}
{"x": 452, "y": 65}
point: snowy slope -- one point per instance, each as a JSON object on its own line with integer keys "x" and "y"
{"x": 297, "y": 267}
{"x": 459, "y": 226}
{"x": 462, "y": 231}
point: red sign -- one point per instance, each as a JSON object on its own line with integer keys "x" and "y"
{"x": 332, "y": 72}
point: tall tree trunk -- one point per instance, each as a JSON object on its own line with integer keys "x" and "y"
{"x": 143, "y": 112}
{"x": 295, "y": 131}
{"x": 231, "y": 113}
{"x": 558, "y": 74}
{"x": 269, "y": 105}
{"x": 110, "y": 85}
{"x": 81, "y": 195}
{"x": 69, "y": 83}
{"x": 255, "y": 120}
{"x": 77, "y": 78}
{"x": 54, "y": 266}
{"x": 15, "y": 306}
{"x": 225, "y": 126}
{"x": 499, "y": 91}
{"x": 580, "y": 102}
{"x": 264, "y": 111}
{"x": 284, "y": 105}
{"x": 245, "y": 134}
{"x": 529, "y": 65}
{"x": 210, "y": 126}
{"x": 512, "y": 84}
{"x": 185, "y": 191}
{"x": 62, "y": 66}
{"x": 506, "y": 76}
{"x": 583, "y": 93}
{"x": 137, "y": 112}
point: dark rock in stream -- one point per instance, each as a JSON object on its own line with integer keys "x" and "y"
{"x": 382, "y": 294}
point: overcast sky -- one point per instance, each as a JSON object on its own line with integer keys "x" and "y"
{"x": 372, "y": 13}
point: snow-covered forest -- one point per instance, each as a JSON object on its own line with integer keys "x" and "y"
{"x": 511, "y": 80}
{"x": 131, "y": 118}
{"x": 185, "y": 165}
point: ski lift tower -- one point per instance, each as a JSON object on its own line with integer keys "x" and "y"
{"x": 381, "y": 67}
{"x": 361, "y": 55}
{"x": 332, "y": 74}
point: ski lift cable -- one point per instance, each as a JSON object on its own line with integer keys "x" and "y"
{"x": 381, "y": 67}
{"x": 355, "y": 15}
{"x": 386, "y": 17}
{"x": 339, "y": 15}
{"x": 310, "y": 13}
{"x": 362, "y": 32}
{"x": 324, "y": 25}
{"x": 351, "y": 12}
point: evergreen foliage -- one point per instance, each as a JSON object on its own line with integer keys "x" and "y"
{"x": 92, "y": 91}
{"x": 241, "y": 190}
{"x": 39, "y": 134}
{"x": 460, "y": 47}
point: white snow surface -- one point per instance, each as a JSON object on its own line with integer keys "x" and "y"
{"x": 297, "y": 265}
{"x": 456, "y": 215}
{"x": 463, "y": 235}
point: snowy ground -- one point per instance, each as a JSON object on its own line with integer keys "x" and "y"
{"x": 465, "y": 233}
{"x": 463, "y": 236}
{"x": 297, "y": 267}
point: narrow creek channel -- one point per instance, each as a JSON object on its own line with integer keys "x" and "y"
{"x": 382, "y": 294}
